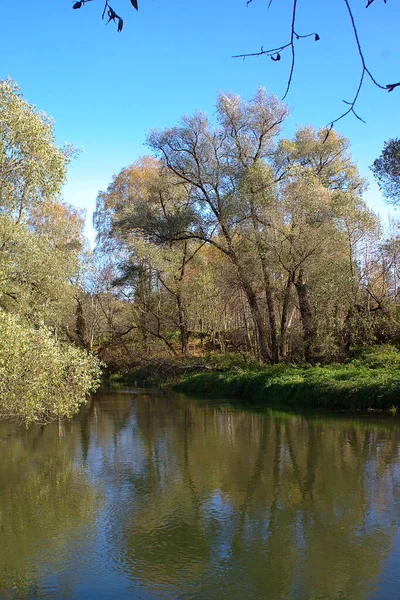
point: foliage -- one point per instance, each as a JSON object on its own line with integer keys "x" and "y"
{"x": 235, "y": 238}
{"x": 371, "y": 381}
{"x": 386, "y": 169}
{"x": 36, "y": 275}
{"x": 41, "y": 379}
{"x": 32, "y": 167}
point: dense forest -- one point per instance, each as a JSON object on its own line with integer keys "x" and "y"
{"x": 232, "y": 238}
{"x": 228, "y": 238}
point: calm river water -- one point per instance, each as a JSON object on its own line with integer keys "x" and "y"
{"x": 150, "y": 496}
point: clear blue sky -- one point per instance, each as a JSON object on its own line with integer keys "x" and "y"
{"x": 107, "y": 90}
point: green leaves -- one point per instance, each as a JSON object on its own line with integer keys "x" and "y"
{"x": 386, "y": 169}
{"x": 32, "y": 167}
{"x": 40, "y": 239}
{"x": 41, "y": 379}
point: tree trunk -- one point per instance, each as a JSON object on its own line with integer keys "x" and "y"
{"x": 307, "y": 319}
{"x": 183, "y": 328}
{"x": 284, "y": 317}
{"x": 255, "y": 312}
{"x": 271, "y": 316}
{"x": 80, "y": 323}
{"x": 252, "y": 300}
{"x": 273, "y": 337}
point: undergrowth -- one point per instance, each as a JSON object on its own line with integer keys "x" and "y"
{"x": 371, "y": 380}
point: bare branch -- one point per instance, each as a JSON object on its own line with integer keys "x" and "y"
{"x": 365, "y": 71}
{"x": 107, "y": 10}
{"x": 275, "y": 55}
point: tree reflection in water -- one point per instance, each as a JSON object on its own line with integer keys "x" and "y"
{"x": 170, "y": 497}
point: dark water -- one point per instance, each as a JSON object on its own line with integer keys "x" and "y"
{"x": 147, "y": 496}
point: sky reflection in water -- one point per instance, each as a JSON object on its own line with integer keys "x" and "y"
{"x": 149, "y": 496}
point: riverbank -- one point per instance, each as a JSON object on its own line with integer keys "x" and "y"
{"x": 369, "y": 381}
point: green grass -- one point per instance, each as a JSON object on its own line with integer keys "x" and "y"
{"x": 371, "y": 380}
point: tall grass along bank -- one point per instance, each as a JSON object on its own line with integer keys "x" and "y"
{"x": 370, "y": 381}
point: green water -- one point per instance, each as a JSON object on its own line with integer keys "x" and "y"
{"x": 149, "y": 496}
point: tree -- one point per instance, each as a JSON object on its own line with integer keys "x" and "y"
{"x": 320, "y": 192}
{"x": 127, "y": 217}
{"x": 266, "y": 206}
{"x": 283, "y": 221}
{"x": 42, "y": 377}
{"x": 386, "y": 169}
{"x": 32, "y": 167}
{"x": 211, "y": 163}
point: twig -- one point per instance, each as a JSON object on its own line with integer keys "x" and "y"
{"x": 292, "y": 48}
{"x": 371, "y": 1}
{"x": 365, "y": 71}
{"x": 112, "y": 15}
{"x": 275, "y": 53}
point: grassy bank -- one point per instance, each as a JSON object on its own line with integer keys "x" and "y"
{"x": 369, "y": 381}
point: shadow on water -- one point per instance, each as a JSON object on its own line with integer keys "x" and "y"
{"x": 149, "y": 495}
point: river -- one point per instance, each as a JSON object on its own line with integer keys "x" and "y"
{"x": 146, "y": 495}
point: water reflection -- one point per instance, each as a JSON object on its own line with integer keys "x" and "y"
{"x": 150, "y": 496}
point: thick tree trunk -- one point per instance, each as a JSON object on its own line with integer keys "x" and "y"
{"x": 271, "y": 316}
{"x": 284, "y": 317}
{"x": 273, "y": 337}
{"x": 80, "y": 323}
{"x": 307, "y": 318}
{"x": 251, "y": 298}
{"x": 255, "y": 311}
{"x": 183, "y": 328}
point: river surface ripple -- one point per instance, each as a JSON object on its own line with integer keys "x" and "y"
{"x": 151, "y": 496}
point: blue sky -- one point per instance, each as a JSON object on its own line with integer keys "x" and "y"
{"x": 106, "y": 90}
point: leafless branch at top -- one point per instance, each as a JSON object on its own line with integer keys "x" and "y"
{"x": 275, "y": 55}
{"x": 365, "y": 71}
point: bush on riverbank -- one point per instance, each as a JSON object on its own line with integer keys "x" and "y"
{"x": 164, "y": 371}
{"x": 370, "y": 380}
{"x": 41, "y": 379}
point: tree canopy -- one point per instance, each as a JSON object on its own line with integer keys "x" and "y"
{"x": 41, "y": 238}
{"x": 236, "y": 235}
{"x": 386, "y": 169}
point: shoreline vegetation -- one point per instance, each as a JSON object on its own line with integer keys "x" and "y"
{"x": 232, "y": 238}
{"x": 46, "y": 369}
{"x": 369, "y": 381}
{"x": 226, "y": 263}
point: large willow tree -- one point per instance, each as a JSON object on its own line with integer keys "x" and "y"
{"x": 279, "y": 224}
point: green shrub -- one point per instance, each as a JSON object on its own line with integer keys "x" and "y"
{"x": 372, "y": 380}
{"x": 41, "y": 379}
{"x": 376, "y": 357}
